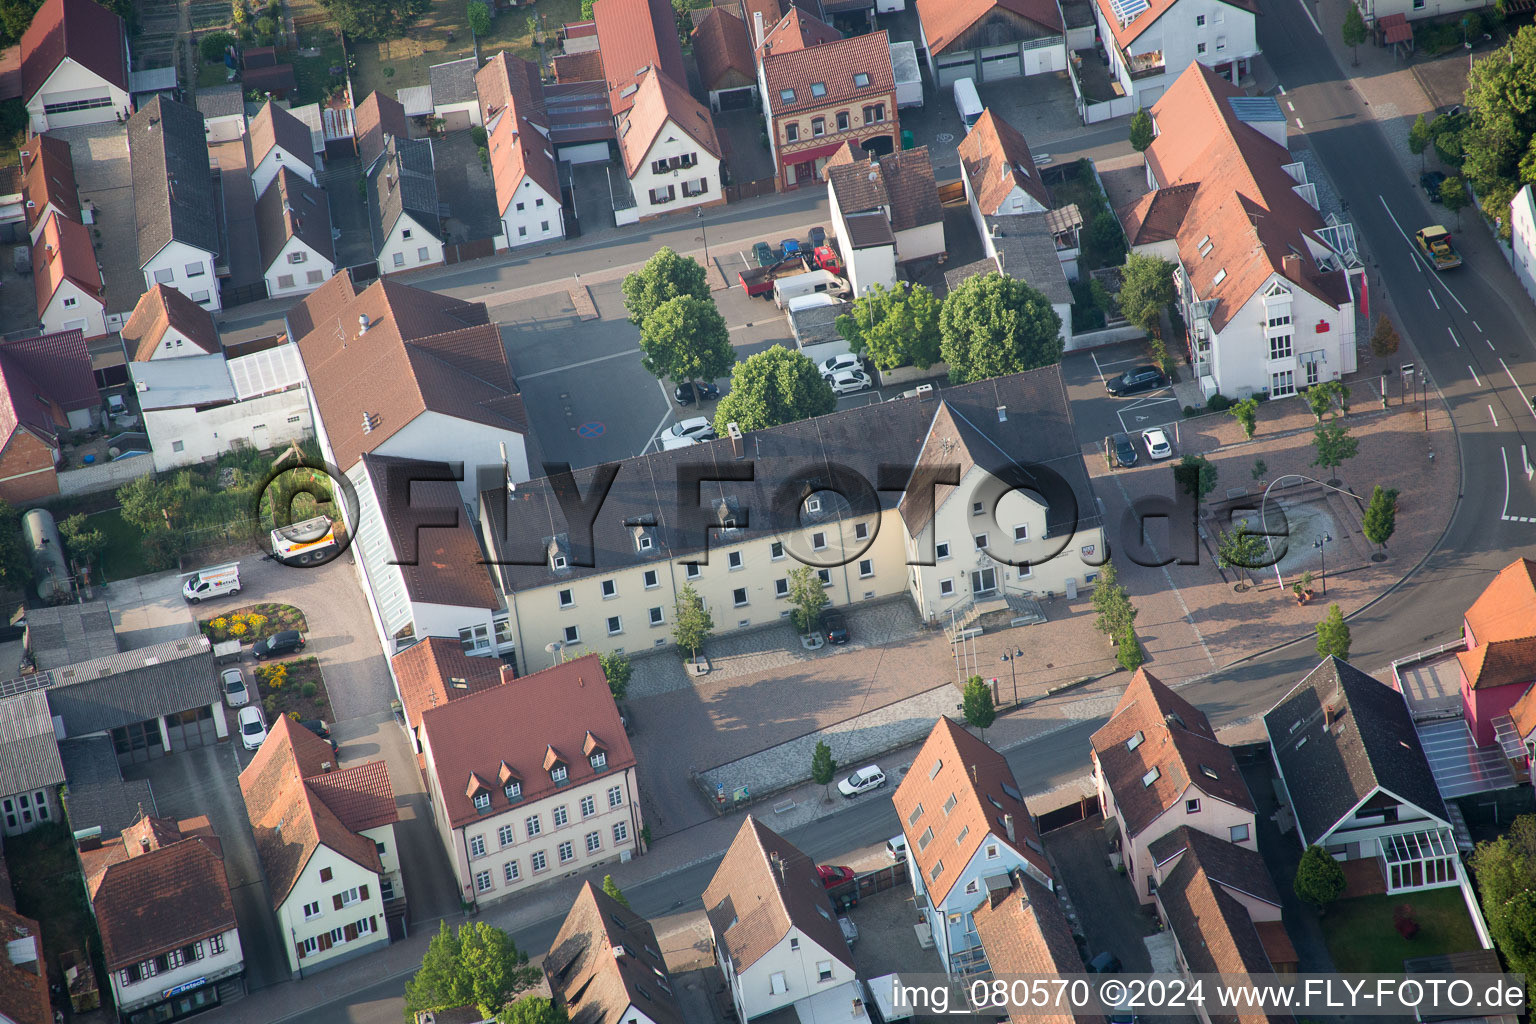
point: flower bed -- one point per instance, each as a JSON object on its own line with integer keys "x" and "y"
{"x": 253, "y": 622}
{"x": 293, "y": 687}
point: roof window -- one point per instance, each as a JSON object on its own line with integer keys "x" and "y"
{"x": 860, "y": 79}
{"x": 1208, "y": 771}
{"x": 818, "y": 89}
{"x": 1151, "y": 776}
{"x": 786, "y": 95}
{"x": 1135, "y": 741}
{"x": 1221, "y": 275}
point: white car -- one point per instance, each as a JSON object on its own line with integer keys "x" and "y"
{"x": 846, "y": 361}
{"x": 1157, "y": 443}
{"x": 847, "y": 382}
{"x": 236, "y": 692}
{"x": 669, "y": 441}
{"x": 698, "y": 427}
{"x": 253, "y": 726}
{"x": 865, "y": 780}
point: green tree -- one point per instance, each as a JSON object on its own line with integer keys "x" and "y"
{"x": 1112, "y": 603}
{"x": 375, "y": 19}
{"x": 1260, "y": 467}
{"x": 666, "y": 275}
{"x": 479, "y": 18}
{"x": 994, "y": 325}
{"x": 1105, "y": 240}
{"x": 1332, "y": 445}
{"x": 533, "y": 1010}
{"x": 1238, "y": 549}
{"x": 1333, "y": 635}
{"x": 1128, "y": 650}
{"x": 773, "y": 387}
{"x": 692, "y": 625}
{"x": 586, "y": 10}
{"x": 1246, "y": 412}
{"x": 1353, "y": 31}
{"x": 85, "y": 544}
{"x": 1141, "y": 130}
{"x": 1328, "y": 397}
{"x": 1380, "y": 520}
{"x": 1496, "y": 142}
{"x": 1146, "y": 289}
{"x": 15, "y": 560}
{"x": 477, "y": 964}
{"x": 823, "y": 768}
{"x": 807, "y": 597}
{"x": 1419, "y": 138}
{"x": 1196, "y": 476}
{"x": 1384, "y": 339}
{"x": 148, "y": 504}
{"x": 617, "y": 668}
{"x": 212, "y": 45}
{"x": 1453, "y": 193}
{"x": 15, "y": 16}
{"x": 977, "y": 706}
{"x": 1506, "y": 879}
{"x": 685, "y": 340}
{"x": 894, "y": 327}
{"x": 1319, "y": 879}
{"x": 612, "y": 891}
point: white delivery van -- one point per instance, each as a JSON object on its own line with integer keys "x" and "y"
{"x": 811, "y": 282}
{"x": 811, "y": 302}
{"x": 968, "y": 103}
{"x": 213, "y": 582}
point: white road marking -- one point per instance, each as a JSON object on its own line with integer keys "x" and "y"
{"x": 665, "y": 416}
{"x": 1433, "y": 299}
{"x": 1417, "y": 256}
{"x": 1494, "y": 416}
{"x": 1099, "y": 369}
{"x": 1504, "y": 458}
{"x": 1308, "y": 12}
{"x": 1490, "y": 344}
{"x": 1474, "y": 375}
{"x": 1450, "y": 331}
{"x": 574, "y": 366}
{"x": 1290, "y": 106}
{"x": 1474, "y": 324}
{"x": 1281, "y": 88}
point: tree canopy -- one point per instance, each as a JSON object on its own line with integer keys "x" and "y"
{"x": 375, "y": 19}
{"x": 1141, "y": 130}
{"x": 977, "y": 705}
{"x": 773, "y": 387}
{"x": 895, "y": 327}
{"x": 666, "y": 275}
{"x": 692, "y": 625}
{"x": 1380, "y": 520}
{"x": 617, "y": 668}
{"x": 1353, "y": 30}
{"x": 1506, "y": 880}
{"x": 611, "y": 889}
{"x": 1384, "y": 339}
{"x": 1196, "y": 476}
{"x": 477, "y": 965}
{"x": 1146, "y": 289}
{"x": 1496, "y": 145}
{"x": 685, "y": 339}
{"x": 1333, "y": 635}
{"x": 807, "y": 597}
{"x": 533, "y": 1010}
{"x": 15, "y": 560}
{"x": 1116, "y": 614}
{"x": 994, "y": 325}
{"x": 1319, "y": 879}
{"x": 1332, "y": 445}
{"x": 823, "y": 767}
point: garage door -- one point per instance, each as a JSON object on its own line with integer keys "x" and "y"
{"x": 78, "y": 106}
{"x": 737, "y": 99}
{"x": 192, "y": 728}
{"x": 1152, "y": 94}
{"x": 951, "y": 69}
{"x": 999, "y": 64}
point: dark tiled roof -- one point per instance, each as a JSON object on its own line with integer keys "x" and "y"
{"x": 430, "y": 674}
{"x": 403, "y": 184}
{"x": 292, "y": 207}
{"x": 160, "y": 309}
{"x": 1237, "y": 867}
{"x": 152, "y": 902}
{"x": 1038, "y": 429}
{"x": 85, "y": 32}
{"x": 1176, "y": 740}
{"x": 440, "y": 565}
{"x": 604, "y": 960}
{"x": 453, "y": 82}
{"x": 222, "y": 101}
{"x": 1369, "y": 740}
{"x": 1024, "y": 931}
{"x": 172, "y": 188}
{"x": 555, "y": 709}
{"x": 272, "y": 127}
{"x": 276, "y": 79}
{"x": 97, "y": 794}
{"x": 1026, "y": 250}
{"x": 900, "y": 182}
{"x": 122, "y": 689}
{"x": 29, "y": 754}
{"x": 377, "y": 116}
{"x": 59, "y": 360}
{"x": 763, "y": 887}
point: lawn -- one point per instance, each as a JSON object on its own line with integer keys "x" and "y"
{"x": 50, "y": 889}
{"x": 293, "y": 688}
{"x": 123, "y": 557}
{"x": 253, "y": 622}
{"x": 1361, "y": 937}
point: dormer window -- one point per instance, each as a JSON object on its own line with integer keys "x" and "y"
{"x": 596, "y": 753}
{"x": 555, "y": 765}
{"x": 478, "y": 792}
{"x": 559, "y": 773}
{"x": 644, "y": 542}
{"x": 482, "y": 801}
{"x": 514, "y": 790}
{"x": 813, "y": 505}
{"x": 557, "y": 561}
{"x": 599, "y": 760}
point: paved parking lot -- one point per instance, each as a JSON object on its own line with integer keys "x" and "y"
{"x": 104, "y": 177}
{"x": 1096, "y": 414}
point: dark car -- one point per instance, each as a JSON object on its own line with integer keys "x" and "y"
{"x": 1431, "y": 182}
{"x": 763, "y": 253}
{"x": 818, "y": 238}
{"x": 1142, "y": 378}
{"x": 707, "y": 392}
{"x": 1124, "y": 449}
{"x": 320, "y": 729}
{"x": 835, "y": 625}
{"x": 1104, "y": 963}
{"x": 286, "y": 642}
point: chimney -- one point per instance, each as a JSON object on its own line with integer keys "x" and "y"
{"x": 1327, "y": 716}
{"x": 144, "y": 843}
{"x": 734, "y": 432}
{"x": 1008, "y": 827}
{"x": 1292, "y": 264}
{"x": 362, "y": 324}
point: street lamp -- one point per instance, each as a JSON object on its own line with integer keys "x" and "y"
{"x": 1013, "y": 669}
{"x": 1322, "y": 553}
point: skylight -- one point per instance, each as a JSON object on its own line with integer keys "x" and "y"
{"x": 1011, "y": 791}
{"x": 1135, "y": 741}
{"x": 1208, "y": 771}
{"x": 1221, "y": 275}
{"x": 1151, "y": 776}
{"x": 860, "y": 79}
{"x": 787, "y": 95}
{"x": 818, "y": 89}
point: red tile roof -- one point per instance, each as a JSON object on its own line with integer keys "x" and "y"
{"x": 960, "y": 793}
{"x": 1152, "y": 730}
{"x": 64, "y": 251}
{"x": 1506, "y": 609}
{"x": 831, "y": 65}
{"x": 1524, "y": 713}
{"x": 49, "y": 178}
{"x": 1246, "y": 211}
{"x": 1499, "y": 663}
{"x": 605, "y": 960}
{"x": 797, "y": 30}
{"x": 585, "y": 66}
{"x": 83, "y": 31}
{"x": 723, "y": 50}
{"x": 360, "y": 796}
{"x": 430, "y": 674}
{"x": 1128, "y": 33}
{"x": 635, "y": 36}
{"x": 160, "y": 309}
{"x": 25, "y": 406}
{"x": 378, "y": 115}
{"x": 659, "y": 101}
{"x": 289, "y": 819}
{"x": 59, "y": 360}
{"x": 1158, "y": 215}
{"x": 944, "y": 21}
{"x": 1025, "y": 931}
{"x": 24, "y": 980}
{"x": 519, "y": 141}
{"x": 554, "y": 709}
{"x": 997, "y": 160}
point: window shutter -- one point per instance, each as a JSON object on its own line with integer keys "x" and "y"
{"x": 336, "y": 901}
{"x": 349, "y": 932}
{"x": 298, "y": 947}
{"x": 362, "y": 891}
{"x": 373, "y": 923}
{"x": 325, "y": 941}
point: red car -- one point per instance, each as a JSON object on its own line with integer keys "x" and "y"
{"x": 833, "y": 875}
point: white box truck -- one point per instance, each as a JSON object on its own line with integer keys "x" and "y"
{"x": 216, "y": 581}
{"x": 968, "y": 103}
{"x": 786, "y": 289}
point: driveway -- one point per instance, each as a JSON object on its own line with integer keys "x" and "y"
{"x": 349, "y": 211}
{"x": 1108, "y": 914}
{"x": 205, "y": 780}
{"x": 105, "y": 179}
{"x": 1096, "y": 414}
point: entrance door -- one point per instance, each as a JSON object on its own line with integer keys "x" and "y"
{"x": 804, "y": 172}
{"x": 983, "y": 581}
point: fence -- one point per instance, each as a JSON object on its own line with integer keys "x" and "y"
{"x": 459, "y": 252}
{"x": 106, "y": 477}
{"x": 735, "y": 193}
{"x": 869, "y": 883}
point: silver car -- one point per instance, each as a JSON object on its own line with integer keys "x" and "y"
{"x": 253, "y": 726}
{"x": 848, "y": 382}
{"x": 697, "y": 427}
{"x": 846, "y": 361}
{"x": 236, "y": 692}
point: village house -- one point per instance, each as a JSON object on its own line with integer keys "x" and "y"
{"x": 293, "y": 231}
{"x": 173, "y": 200}
{"x": 48, "y": 183}
{"x": 885, "y": 212}
{"x": 990, "y": 40}
{"x": 436, "y": 670}
{"x": 74, "y": 66}
{"x": 46, "y": 387}
{"x": 278, "y": 141}
{"x": 67, "y": 279}
{"x": 1498, "y": 665}
{"x": 1149, "y": 43}
{"x": 605, "y": 965}
{"x": 1024, "y": 931}
{"x": 522, "y": 159}
{"x": 403, "y": 214}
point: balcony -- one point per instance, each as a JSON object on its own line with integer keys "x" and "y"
{"x": 1145, "y": 65}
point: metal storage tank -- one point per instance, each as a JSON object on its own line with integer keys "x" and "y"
{"x": 46, "y": 548}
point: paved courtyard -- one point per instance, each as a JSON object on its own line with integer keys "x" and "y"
{"x": 105, "y": 179}
{"x": 467, "y": 189}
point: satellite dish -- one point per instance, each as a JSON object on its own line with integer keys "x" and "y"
{"x": 554, "y": 646}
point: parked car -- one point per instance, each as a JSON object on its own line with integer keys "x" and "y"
{"x": 287, "y": 642}
{"x": 1157, "y": 443}
{"x": 236, "y": 692}
{"x": 848, "y": 382}
{"x": 669, "y": 441}
{"x": 1431, "y": 182}
{"x": 1124, "y": 450}
{"x": 763, "y": 254}
{"x": 818, "y": 237}
{"x": 896, "y": 847}
{"x": 846, "y": 361}
{"x": 253, "y": 726}
{"x": 865, "y": 780}
{"x": 835, "y": 625}
{"x": 1104, "y": 963}
{"x": 698, "y": 427}
{"x": 834, "y": 875}
{"x": 708, "y": 392}
{"x": 1131, "y": 382}
{"x": 321, "y": 730}
{"x": 790, "y": 247}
